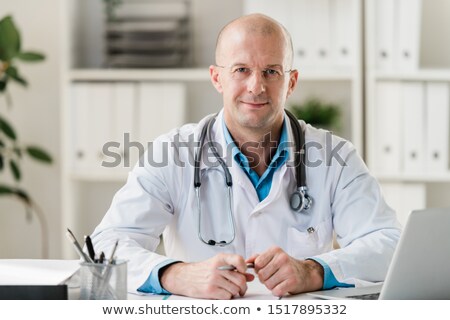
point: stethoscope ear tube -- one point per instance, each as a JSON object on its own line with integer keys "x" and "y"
{"x": 300, "y": 200}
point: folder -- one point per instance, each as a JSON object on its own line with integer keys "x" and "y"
{"x": 437, "y": 124}
{"x": 413, "y": 114}
{"x": 408, "y": 42}
{"x": 343, "y": 30}
{"x": 388, "y": 128}
{"x": 384, "y": 33}
{"x": 33, "y": 292}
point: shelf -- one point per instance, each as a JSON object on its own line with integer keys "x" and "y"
{"x": 197, "y": 74}
{"x": 189, "y": 74}
{"x": 99, "y": 176}
{"x": 414, "y": 177}
{"x": 419, "y": 75}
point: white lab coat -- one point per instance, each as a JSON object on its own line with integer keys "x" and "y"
{"x": 347, "y": 200}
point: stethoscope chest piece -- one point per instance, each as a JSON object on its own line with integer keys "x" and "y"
{"x": 300, "y": 201}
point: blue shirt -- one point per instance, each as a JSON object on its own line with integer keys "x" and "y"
{"x": 262, "y": 186}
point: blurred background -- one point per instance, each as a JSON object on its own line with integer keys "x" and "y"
{"x": 374, "y": 72}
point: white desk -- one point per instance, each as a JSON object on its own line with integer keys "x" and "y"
{"x": 53, "y": 272}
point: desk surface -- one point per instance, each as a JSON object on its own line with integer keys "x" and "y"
{"x": 53, "y": 272}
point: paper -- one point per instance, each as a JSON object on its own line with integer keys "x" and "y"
{"x": 36, "y": 272}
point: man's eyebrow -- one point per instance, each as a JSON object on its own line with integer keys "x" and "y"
{"x": 239, "y": 64}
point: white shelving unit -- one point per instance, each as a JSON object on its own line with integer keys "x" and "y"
{"x": 87, "y": 195}
{"x": 407, "y": 189}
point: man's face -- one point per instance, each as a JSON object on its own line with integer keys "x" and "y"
{"x": 253, "y": 79}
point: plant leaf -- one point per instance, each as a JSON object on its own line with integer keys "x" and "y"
{"x": 15, "y": 170}
{"x": 14, "y": 74}
{"x": 7, "y": 129}
{"x": 18, "y": 151}
{"x": 5, "y": 190}
{"x": 39, "y": 154}
{"x": 23, "y": 196}
{"x": 30, "y": 56}
{"x": 9, "y": 39}
{"x": 3, "y": 83}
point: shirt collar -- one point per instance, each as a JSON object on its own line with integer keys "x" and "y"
{"x": 282, "y": 152}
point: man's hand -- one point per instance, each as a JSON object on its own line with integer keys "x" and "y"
{"x": 203, "y": 280}
{"x": 283, "y": 274}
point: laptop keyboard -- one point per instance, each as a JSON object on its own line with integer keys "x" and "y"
{"x": 369, "y": 296}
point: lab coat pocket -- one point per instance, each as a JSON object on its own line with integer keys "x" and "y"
{"x": 310, "y": 242}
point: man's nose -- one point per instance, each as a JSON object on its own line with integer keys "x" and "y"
{"x": 256, "y": 83}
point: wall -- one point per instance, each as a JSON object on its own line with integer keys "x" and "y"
{"x": 35, "y": 114}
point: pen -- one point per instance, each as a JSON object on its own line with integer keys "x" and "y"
{"x": 111, "y": 259}
{"x": 232, "y": 268}
{"x": 90, "y": 247}
{"x": 102, "y": 257}
{"x": 77, "y": 247}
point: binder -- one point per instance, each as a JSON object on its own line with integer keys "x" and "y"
{"x": 92, "y": 128}
{"x": 388, "y": 128}
{"x": 437, "y": 124}
{"x": 413, "y": 114}
{"x": 320, "y": 30}
{"x": 123, "y": 119}
{"x": 79, "y": 132}
{"x": 384, "y": 33}
{"x": 408, "y": 42}
{"x": 302, "y": 37}
{"x": 161, "y": 107}
{"x": 100, "y": 124}
{"x": 404, "y": 198}
{"x": 343, "y": 32}
{"x": 280, "y": 12}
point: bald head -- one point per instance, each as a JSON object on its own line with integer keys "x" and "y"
{"x": 258, "y": 25}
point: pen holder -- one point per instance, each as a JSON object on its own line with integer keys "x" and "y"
{"x": 103, "y": 281}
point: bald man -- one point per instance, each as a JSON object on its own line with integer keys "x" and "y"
{"x": 291, "y": 252}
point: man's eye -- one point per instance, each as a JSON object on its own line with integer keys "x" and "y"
{"x": 271, "y": 72}
{"x": 241, "y": 70}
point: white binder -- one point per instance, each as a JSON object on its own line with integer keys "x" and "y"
{"x": 320, "y": 30}
{"x": 301, "y": 32}
{"x": 384, "y": 33}
{"x": 404, "y": 198}
{"x": 161, "y": 107}
{"x": 413, "y": 114}
{"x": 100, "y": 123}
{"x": 79, "y": 131}
{"x": 437, "y": 119}
{"x": 123, "y": 120}
{"x": 408, "y": 42}
{"x": 343, "y": 32}
{"x": 388, "y": 128}
{"x": 279, "y": 12}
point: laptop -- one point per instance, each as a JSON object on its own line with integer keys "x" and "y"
{"x": 420, "y": 267}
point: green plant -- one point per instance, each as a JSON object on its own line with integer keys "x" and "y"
{"x": 12, "y": 151}
{"x": 318, "y": 113}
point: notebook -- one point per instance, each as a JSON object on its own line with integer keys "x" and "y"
{"x": 420, "y": 267}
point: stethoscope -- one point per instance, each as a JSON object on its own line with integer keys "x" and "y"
{"x": 300, "y": 201}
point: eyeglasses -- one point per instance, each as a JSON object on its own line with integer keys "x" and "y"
{"x": 240, "y": 73}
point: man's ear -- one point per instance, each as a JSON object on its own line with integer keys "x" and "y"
{"x": 293, "y": 79}
{"x": 215, "y": 78}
